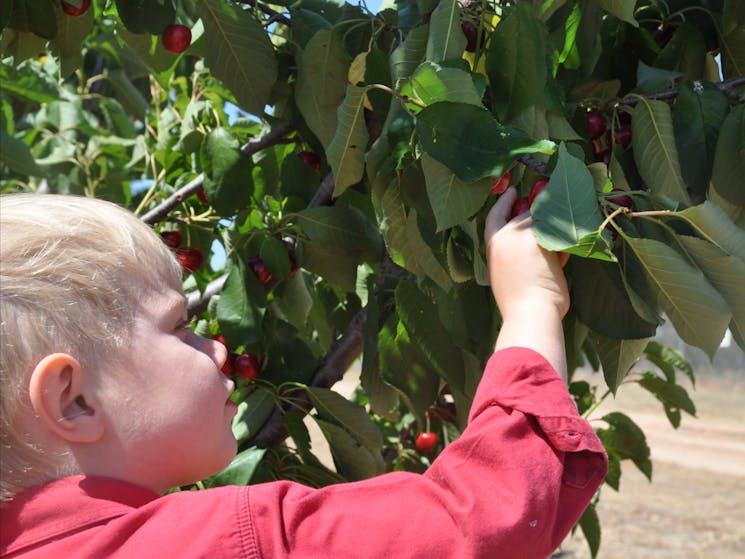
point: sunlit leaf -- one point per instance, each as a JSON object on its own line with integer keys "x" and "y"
{"x": 321, "y": 83}
{"x": 468, "y": 140}
{"x": 346, "y": 152}
{"x": 566, "y": 211}
{"x": 239, "y": 53}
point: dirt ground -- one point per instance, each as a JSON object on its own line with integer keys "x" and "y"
{"x": 693, "y": 508}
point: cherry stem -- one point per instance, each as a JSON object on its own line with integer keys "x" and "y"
{"x": 402, "y": 98}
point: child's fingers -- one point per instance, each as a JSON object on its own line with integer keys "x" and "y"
{"x": 499, "y": 215}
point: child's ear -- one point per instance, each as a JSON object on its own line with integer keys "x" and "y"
{"x": 62, "y": 399}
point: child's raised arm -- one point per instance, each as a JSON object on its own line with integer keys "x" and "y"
{"x": 528, "y": 285}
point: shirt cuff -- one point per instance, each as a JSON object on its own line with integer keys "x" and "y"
{"x": 522, "y": 379}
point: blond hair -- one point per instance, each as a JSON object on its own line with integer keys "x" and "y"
{"x": 70, "y": 271}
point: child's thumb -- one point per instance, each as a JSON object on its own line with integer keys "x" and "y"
{"x": 500, "y": 213}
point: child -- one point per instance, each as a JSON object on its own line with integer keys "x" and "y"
{"x": 109, "y": 399}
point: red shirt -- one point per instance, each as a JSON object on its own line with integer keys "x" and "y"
{"x": 511, "y": 486}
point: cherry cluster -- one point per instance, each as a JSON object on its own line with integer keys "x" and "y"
{"x": 190, "y": 258}
{"x": 603, "y": 137}
{"x": 244, "y": 365}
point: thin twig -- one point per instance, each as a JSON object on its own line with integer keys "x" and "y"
{"x": 161, "y": 211}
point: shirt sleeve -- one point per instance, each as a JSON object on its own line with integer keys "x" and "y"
{"x": 512, "y": 485}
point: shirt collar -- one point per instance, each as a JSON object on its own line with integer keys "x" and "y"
{"x": 66, "y": 505}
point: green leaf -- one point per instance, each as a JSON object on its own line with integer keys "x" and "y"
{"x": 468, "y": 140}
{"x": 410, "y": 54}
{"x": 353, "y": 460}
{"x": 655, "y": 79}
{"x": 146, "y": 16}
{"x": 566, "y": 210}
{"x": 36, "y": 16}
{"x": 669, "y": 359}
{"x": 297, "y": 429}
{"x": 227, "y": 180}
{"x": 724, "y": 271}
{"x": 517, "y": 62}
{"x": 292, "y": 301}
{"x": 432, "y": 83}
{"x": 240, "y": 308}
{"x": 698, "y": 312}
{"x": 729, "y": 158}
{"x": 617, "y": 357}
{"x": 625, "y": 439}
{"x": 252, "y": 413}
{"x": 700, "y": 108}
{"x": 623, "y": 10}
{"x": 71, "y": 33}
{"x": 335, "y": 408}
{"x": 670, "y": 394}
{"x": 402, "y": 236}
{"x": 17, "y": 156}
{"x": 602, "y": 301}
{"x": 714, "y": 224}
{"x": 446, "y": 40}
{"x": 322, "y": 83}
{"x": 655, "y": 153}
{"x": 589, "y": 523}
{"x": 419, "y": 314}
{"x": 342, "y": 226}
{"x": 405, "y": 367}
{"x": 346, "y": 152}
{"x": 733, "y": 50}
{"x": 240, "y": 470}
{"x": 453, "y": 201}
{"x": 28, "y": 82}
{"x": 239, "y": 53}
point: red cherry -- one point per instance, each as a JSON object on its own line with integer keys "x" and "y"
{"x": 228, "y": 368}
{"x": 471, "y": 33}
{"x": 202, "y": 195}
{"x": 189, "y": 258}
{"x": 620, "y": 198}
{"x": 176, "y": 38}
{"x": 172, "y": 239}
{"x": 261, "y": 271}
{"x": 426, "y": 441}
{"x": 520, "y": 206}
{"x": 247, "y": 366}
{"x": 311, "y": 160}
{"x": 623, "y": 136}
{"x": 500, "y": 184}
{"x": 604, "y": 156}
{"x": 536, "y": 189}
{"x": 71, "y": 10}
{"x": 595, "y": 124}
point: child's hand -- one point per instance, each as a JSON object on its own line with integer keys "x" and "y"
{"x": 527, "y": 282}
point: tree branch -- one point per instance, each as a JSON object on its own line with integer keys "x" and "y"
{"x": 336, "y": 362}
{"x": 160, "y": 212}
{"x": 273, "y": 14}
{"x": 731, "y": 88}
